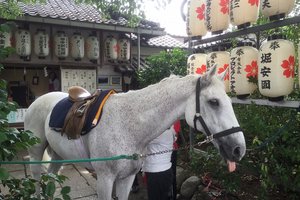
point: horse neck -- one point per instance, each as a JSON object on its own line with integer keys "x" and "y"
{"x": 159, "y": 105}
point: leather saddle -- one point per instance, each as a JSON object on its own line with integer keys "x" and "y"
{"x": 76, "y": 116}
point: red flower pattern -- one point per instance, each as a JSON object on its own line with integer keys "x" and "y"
{"x": 201, "y": 70}
{"x": 288, "y": 66}
{"x": 253, "y": 2}
{"x": 224, "y": 6}
{"x": 200, "y": 10}
{"x": 252, "y": 69}
{"x": 222, "y": 69}
{"x": 116, "y": 48}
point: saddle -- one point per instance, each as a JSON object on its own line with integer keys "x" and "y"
{"x": 77, "y": 93}
{"x": 76, "y": 116}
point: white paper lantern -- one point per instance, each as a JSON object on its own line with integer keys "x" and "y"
{"x": 276, "y": 9}
{"x": 195, "y": 23}
{"x": 23, "y": 43}
{"x": 217, "y": 15}
{"x": 196, "y": 64}
{"x": 276, "y": 68}
{"x": 77, "y": 46}
{"x": 5, "y": 39}
{"x": 243, "y": 67}
{"x": 124, "y": 49}
{"x": 222, "y": 60}
{"x": 92, "y": 48}
{"x": 61, "y": 45}
{"x": 111, "y": 48}
{"x": 41, "y": 43}
{"x": 243, "y": 12}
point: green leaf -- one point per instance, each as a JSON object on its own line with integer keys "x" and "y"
{"x": 65, "y": 190}
{"x": 3, "y": 137}
{"x": 66, "y": 197}
{"x": 50, "y": 189}
{"x": 3, "y": 174}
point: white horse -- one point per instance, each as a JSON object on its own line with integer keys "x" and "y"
{"x": 130, "y": 121}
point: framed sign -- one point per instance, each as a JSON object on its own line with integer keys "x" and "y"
{"x": 103, "y": 80}
{"x": 115, "y": 80}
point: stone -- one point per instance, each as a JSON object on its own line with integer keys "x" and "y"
{"x": 200, "y": 194}
{"x": 189, "y": 187}
{"x": 181, "y": 176}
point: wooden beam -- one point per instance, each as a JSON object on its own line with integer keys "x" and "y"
{"x": 253, "y": 29}
{"x": 265, "y": 102}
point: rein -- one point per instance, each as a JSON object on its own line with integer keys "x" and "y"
{"x": 209, "y": 136}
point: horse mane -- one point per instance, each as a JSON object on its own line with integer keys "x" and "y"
{"x": 204, "y": 83}
{"x": 172, "y": 76}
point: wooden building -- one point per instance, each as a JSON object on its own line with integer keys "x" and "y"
{"x": 72, "y": 41}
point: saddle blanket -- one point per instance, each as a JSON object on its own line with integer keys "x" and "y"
{"x": 61, "y": 109}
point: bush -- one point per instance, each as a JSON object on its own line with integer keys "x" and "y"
{"x": 163, "y": 65}
{"x": 25, "y": 188}
{"x": 273, "y": 135}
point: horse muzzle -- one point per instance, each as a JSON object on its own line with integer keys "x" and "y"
{"x": 232, "y": 152}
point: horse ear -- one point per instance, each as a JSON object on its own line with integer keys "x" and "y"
{"x": 223, "y": 74}
{"x": 211, "y": 72}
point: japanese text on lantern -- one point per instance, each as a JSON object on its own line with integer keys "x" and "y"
{"x": 42, "y": 43}
{"x": 2, "y": 40}
{"x": 62, "y": 45}
{"x": 24, "y": 42}
{"x": 239, "y": 52}
{"x": 207, "y": 16}
{"x": 123, "y": 50}
{"x": 232, "y": 72}
{"x": 265, "y": 4}
{"x": 107, "y": 49}
{"x": 192, "y": 65}
{"x": 95, "y": 47}
{"x": 265, "y": 71}
{"x": 233, "y": 4}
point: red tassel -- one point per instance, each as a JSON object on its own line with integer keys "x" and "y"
{"x": 177, "y": 126}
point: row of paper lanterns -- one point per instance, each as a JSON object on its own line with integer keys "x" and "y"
{"x": 273, "y": 67}
{"x": 215, "y": 15}
{"x": 77, "y": 47}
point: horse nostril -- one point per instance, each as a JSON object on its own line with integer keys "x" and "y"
{"x": 237, "y": 152}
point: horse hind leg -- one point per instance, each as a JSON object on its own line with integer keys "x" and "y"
{"x": 54, "y": 167}
{"x": 36, "y": 154}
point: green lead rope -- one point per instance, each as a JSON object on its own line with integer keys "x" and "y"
{"x": 128, "y": 157}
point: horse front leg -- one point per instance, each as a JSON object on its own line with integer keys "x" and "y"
{"x": 104, "y": 186}
{"x": 123, "y": 187}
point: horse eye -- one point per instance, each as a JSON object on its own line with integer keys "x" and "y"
{"x": 213, "y": 102}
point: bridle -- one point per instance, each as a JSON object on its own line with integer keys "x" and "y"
{"x": 209, "y": 136}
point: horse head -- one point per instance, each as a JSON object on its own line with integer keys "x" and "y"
{"x": 209, "y": 110}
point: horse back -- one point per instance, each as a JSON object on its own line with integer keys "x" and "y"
{"x": 38, "y": 111}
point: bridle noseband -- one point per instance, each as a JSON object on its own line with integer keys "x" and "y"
{"x": 209, "y": 136}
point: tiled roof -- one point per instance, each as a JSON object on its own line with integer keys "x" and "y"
{"x": 67, "y": 9}
{"x": 166, "y": 41}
